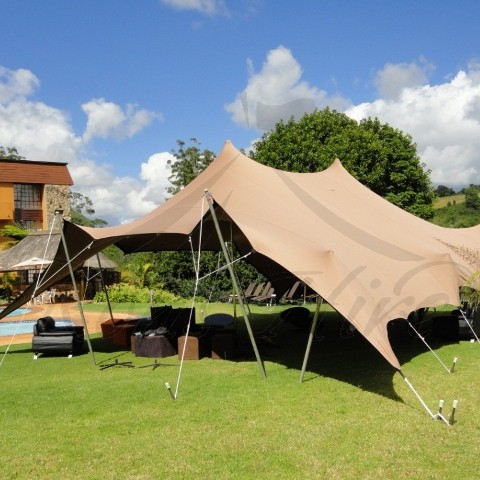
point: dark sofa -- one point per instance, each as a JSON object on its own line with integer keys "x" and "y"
{"x": 48, "y": 338}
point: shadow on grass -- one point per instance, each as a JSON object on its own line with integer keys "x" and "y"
{"x": 336, "y": 351}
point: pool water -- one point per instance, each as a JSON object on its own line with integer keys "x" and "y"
{"x": 18, "y": 311}
{"x": 17, "y": 328}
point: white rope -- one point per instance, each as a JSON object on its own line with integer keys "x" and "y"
{"x": 469, "y": 324}
{"x": 12, "y": 337}
{"x": 68, "y": 263}
{"x": 417, "y": 395}
{"x": 37, "y": 283}
{"x": 224, "y": 267}
{"x": 428, "y": 346}
{"x": 436, "y": 416}
{"x": 196, "y": 264}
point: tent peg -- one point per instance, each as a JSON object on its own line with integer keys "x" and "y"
{"x": 452, "y": 414}
{"x": 453, "y": 364}
{"x": 440, "y": 406}
{"x": 440, "y": 416}
{"x": 167, "y": 386}
{"x": 436, "y": 416}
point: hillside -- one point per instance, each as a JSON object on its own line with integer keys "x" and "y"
{"x": 441, "y": 202}
{"x": 452, "y": 212}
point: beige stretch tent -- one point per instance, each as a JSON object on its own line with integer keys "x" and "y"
{"x": 372, "y": 261}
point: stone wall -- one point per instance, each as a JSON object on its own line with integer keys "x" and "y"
{"x": 57, "y": 197}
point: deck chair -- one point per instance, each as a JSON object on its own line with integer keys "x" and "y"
{"x": 268, "y": 298}
{"x": 258, "y": 291}
{"x": 263, "y": 292}
{"x": 289, "y": 296}
{"x": 247, "y": 293}
{"x": 249, "y": 289}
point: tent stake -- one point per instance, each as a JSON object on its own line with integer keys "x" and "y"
{"x": 437, "y": 416}
{"x": 74, "y": 284}
{"x": 310, "y": 337}
{"x": 209, "y": 198}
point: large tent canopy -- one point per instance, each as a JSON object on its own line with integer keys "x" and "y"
{"x": 372, "y": 261}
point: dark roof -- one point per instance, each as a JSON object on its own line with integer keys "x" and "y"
{"x": 42, "y": 245}
{"x": 29, "y": 171}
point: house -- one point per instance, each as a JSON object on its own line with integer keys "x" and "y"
{"x": 31, "y": 191}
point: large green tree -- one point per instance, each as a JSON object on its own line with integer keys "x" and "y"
{"x": 382, "y": 158}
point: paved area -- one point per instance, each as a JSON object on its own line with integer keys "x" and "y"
{"x": 58, "y": 311}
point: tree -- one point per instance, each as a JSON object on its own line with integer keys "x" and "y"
{"x": 188, "y": 163}
{"x": 382, "y": 158}
{"x": 472, "y": 200}
{"x": 81, "y": 209}
{"x": 10, "y": 153}
{"x": 443, "y": 191}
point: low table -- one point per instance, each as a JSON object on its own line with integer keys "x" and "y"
{"x": 154, "y": 346}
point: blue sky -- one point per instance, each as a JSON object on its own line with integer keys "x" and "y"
{"x": 109, "y": 86}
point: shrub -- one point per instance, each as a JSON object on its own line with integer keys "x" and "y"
{"x": 126, "y": 293}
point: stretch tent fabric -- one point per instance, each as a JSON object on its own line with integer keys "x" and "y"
{"x": 372, "y": 261}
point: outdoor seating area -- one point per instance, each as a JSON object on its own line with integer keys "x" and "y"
{"x": 163, "y": 334}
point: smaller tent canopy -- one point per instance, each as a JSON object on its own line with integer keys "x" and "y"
{"x": 372, "y": 261}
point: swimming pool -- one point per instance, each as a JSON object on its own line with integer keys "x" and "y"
{"x": 17, "y": 328}
{"x": 18, "y": 311}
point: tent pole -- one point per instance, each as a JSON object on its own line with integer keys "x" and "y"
{"x": 105, "y": 288}
{"x": 241, "y": 304}
{"x": 310, "y": 337}
{"x": 74, "y": 284}
{"x": 231, "y": 256}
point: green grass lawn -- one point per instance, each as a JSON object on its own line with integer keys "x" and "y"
{"x": 441, "y": 202}
{"x": 353, "y": 417}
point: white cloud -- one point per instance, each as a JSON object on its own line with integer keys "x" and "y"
{"x": 108, "y": 120}
{"x": 207, "y": 7}
{"x": 16, "y": 83}
{"x": 44, "y": 133}
{"x": 155, "y": 174}
{"x": 444, "y": 121}
{"x": 393, "y": 78}
{"x": 38, "y": 131}
{"x": 277, "y": 92}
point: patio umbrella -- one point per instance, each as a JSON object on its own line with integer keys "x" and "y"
{"x": 33, "y": 263}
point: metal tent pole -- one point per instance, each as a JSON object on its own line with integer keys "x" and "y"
{"x": 241, "y": 304}
{"x": 74, "y": 283}
{"x": 104, "y": 287}
{"x": 310, "y": 337}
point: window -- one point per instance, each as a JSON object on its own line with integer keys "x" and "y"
{"x": 28, "y": 205}
{"x": 27, "y": 196}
